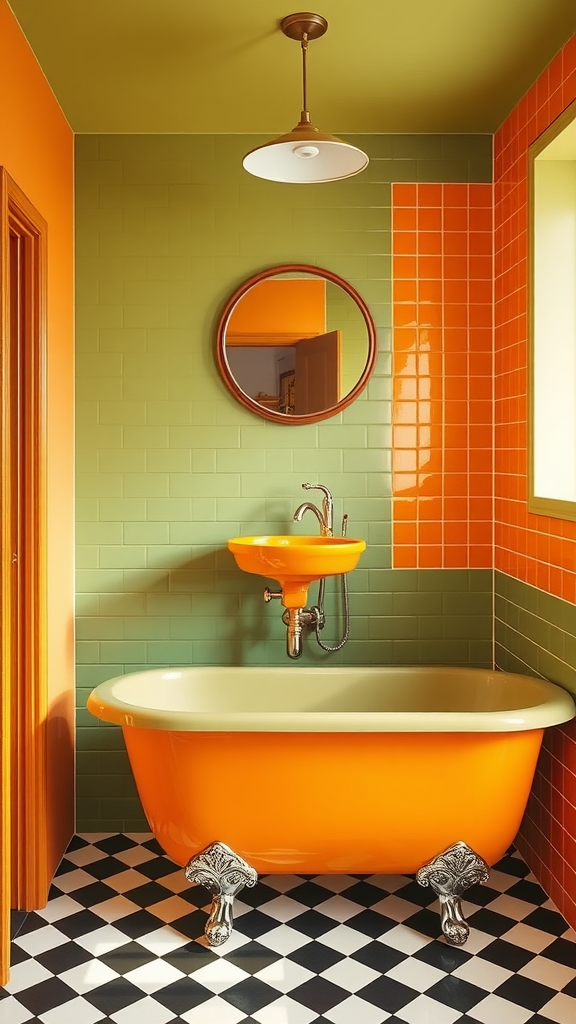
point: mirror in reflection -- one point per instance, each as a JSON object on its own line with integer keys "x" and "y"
{"x": 296, "y": 344}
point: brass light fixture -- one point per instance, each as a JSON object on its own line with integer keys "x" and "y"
{"x": 305, "y": 154}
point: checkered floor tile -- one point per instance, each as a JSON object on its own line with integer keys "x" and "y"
{"x": 121, "y": 939}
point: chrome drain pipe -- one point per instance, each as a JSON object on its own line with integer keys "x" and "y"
{"x": 296, "y": 620}
{"x": 293, "y": 632}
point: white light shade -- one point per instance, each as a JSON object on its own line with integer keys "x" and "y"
{"x": 305, "y": 155}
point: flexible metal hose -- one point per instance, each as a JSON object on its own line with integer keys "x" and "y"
{"x": 320, "y": 616}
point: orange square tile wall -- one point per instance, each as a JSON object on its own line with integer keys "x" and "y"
{"x": 442, "y": 433}
{"x": 536, "y": 549}
{"x": 547, "y": 839}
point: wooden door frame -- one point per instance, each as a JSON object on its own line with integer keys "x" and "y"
{"x": 24, "y": 878}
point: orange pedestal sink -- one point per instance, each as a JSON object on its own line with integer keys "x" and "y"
{"x": 295, "y": 562}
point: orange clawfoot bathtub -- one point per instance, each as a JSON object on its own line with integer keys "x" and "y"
{"x": 332, "y": 770}
{"x": 344, "y": 770}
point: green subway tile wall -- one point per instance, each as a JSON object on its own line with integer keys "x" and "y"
{"x": 535, "y": 632}
{"x": 169, "y": 466}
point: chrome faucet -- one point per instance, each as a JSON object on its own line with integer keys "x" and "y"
{"x": 297, "y": 620}
{"x": 324, "y": 517}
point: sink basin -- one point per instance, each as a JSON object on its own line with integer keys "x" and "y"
{"x": 296, "y": 561}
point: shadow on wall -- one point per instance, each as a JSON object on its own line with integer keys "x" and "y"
{"x": 60, "y": 738}
{"x": 241, "y": 618}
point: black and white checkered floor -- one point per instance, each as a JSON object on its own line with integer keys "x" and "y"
{"x": 121, "y": 939}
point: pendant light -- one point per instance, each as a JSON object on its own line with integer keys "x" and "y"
{"x": 305, "y": 154}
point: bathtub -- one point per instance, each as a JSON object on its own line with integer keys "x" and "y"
{"x": 346, "y": 770}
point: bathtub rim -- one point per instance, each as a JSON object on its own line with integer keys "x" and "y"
{"x": 557, "y": 706}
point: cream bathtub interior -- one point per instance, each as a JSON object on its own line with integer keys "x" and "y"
{"x": 332, "y": 769}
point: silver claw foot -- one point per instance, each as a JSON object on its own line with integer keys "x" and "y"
{"x": 225, "y": 874}
{"x": 450, "y": 874}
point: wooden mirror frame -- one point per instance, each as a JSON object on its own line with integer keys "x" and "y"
{"x": 271, "y": 414}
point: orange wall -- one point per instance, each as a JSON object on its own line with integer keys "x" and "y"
{"x": 442, "y": 376}
{"x": 36, "y": 148}
{"x": 534, "y": 549}
{"x": 295, "y": 308}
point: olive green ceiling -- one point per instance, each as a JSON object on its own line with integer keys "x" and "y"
{"x": 224, "y": 66}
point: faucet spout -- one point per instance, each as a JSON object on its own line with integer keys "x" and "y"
{"x": 307, "y": 506}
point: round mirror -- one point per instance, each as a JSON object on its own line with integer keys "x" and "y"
{"x": 296, "y": 344}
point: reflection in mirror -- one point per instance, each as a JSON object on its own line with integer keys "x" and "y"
{"x": 296, "y": 344}
{"x": 552, "y": 467}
